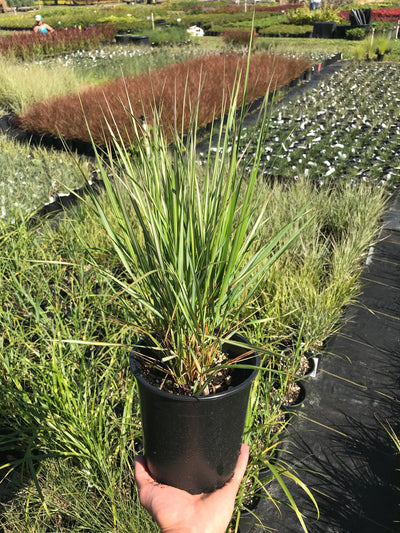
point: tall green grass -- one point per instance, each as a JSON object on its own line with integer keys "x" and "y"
{"x": 317, "y": 279}
{"x": 66, "y": 401}
{"x": 22, "y": 84}
{"x": 70, "y": 408}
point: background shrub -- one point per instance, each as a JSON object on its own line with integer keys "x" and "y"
{"x": 236, "y": 37}
{"x": 304, "y": 16}
{"x": 20, "y": 3}
{"x": 355, "y": 34}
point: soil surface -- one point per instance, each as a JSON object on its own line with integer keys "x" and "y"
{"x": 162, "y": 380}
{"x": 292, "y": 394}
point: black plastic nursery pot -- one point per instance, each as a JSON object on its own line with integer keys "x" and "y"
{"x": 340, "y": 31}
{"x": 299, "y": 400}
{"x": 143, "y": 40}
{"x": 127, "y": 38}
{"x": 324, "y": 30}
{"x": 123, "y": 39}
{"x": 193, "y": 443}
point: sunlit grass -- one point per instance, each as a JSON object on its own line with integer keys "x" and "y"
{"x": 81, "y": 396}
{"x": 69, "y": 411}
{"x": 22, "y": 84}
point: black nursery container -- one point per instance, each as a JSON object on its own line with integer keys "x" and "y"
{"x": 324, "y": 30}
{"x": 194, "y": 443}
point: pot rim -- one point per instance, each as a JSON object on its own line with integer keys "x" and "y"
{"x": 300, "y": 400}
{"x": 212, "y": 397}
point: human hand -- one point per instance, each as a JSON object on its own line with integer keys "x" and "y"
{"x": 177, "y": 511}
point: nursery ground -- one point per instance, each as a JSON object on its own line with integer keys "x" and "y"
{"x": 339, "y": 441}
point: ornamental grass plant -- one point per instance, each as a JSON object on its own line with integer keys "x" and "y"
{"x": 192, "y": 266}
{"x": 316, "y": 280}
{"x": 23, "y": 84}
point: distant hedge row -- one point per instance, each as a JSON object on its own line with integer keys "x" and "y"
{"x": 20, "y": 3}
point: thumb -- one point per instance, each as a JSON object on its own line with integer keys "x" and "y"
{"x": 240, "y": 469}
{"x": 241, "y": 464}
{"x": 142, "y": 476}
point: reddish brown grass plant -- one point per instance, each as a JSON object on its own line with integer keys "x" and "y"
{"x": 174, "y": 91}
{"x": 28, "y": 44}
{"x": 237, "y": 36}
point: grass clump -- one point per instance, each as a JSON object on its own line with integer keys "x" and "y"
{"x": 317, "y": 280}
{"x": 68, "y": 410}
{"x": 22, "y": 85}
{"x": 69, "y": 503}
{"x": 195, "y": 269}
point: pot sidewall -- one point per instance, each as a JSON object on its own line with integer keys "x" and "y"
{"x": 193, "y": 443}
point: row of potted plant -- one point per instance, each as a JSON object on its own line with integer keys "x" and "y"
{"x": 164, "y": 88}
{"x": 28, "y": 45}
{"x": 338, "y": 131}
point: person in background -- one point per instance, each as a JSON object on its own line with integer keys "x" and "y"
{"x": 41, "y": 27}
{"x": 315, "y": 4}
{"x": 177, "y": 511}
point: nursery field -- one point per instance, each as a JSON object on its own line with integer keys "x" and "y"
{"x": 326, "y": 162}
{"x": 348, "y": 127}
